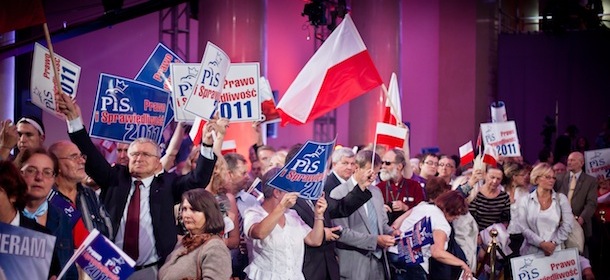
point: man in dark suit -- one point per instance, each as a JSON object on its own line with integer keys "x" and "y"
{"x": 581, "y": 190}
{"x": 321, "y": 262}
{"x": 343, "y": 166}
{"x": 145, "y": 224}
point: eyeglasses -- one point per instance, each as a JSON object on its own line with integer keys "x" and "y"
{"x": 549, "y": 177}
{"x": 33, "y": 172}
{"x": 431, "y": 163}
{"x": 143, "y": 154}
{"x": 448, "y": 165}
{"x": 386, "y": 162}
{"x": 75, "y": 157}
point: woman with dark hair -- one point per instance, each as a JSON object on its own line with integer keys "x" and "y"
{"x": 277, "y": 234}
{"x": 202, "y": 245}
{"x": 13, "y": 191}
{"x": 514, "y": 183}
{"x": 443, "y": 207}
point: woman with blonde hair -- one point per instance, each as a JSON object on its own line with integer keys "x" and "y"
{"x": 544, "y": 216}
{"x": 515, "y": 184}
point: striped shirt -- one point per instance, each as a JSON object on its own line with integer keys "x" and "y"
{"x": 487, "y": 211}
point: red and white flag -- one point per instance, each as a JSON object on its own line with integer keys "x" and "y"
{"x": 391, "y": 135}
{"x": 228, "y": 146}
{"x": 339, "y": 71}
{"x": 491, "y": 156}
{"x": 466, "y": 153}
{"x": 393, "y": 110}
{"x": 196, "y": 132}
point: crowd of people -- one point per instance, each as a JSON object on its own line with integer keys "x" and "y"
{"x": 188, "y": 213}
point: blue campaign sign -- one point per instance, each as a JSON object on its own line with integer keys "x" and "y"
{"x": 156, "y": 72}
{"x": 101, "y": 259}
{"x": 24, "y": 253}
{"x": 305, "y": 173}
{"x": 125, "y": 110}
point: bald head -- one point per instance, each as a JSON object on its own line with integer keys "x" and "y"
{"x": 575, "y": 162}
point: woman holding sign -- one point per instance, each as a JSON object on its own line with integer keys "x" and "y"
{"x": 544, "y": 216}
{"x": 277, "y": 234}
{"x": 202, "y": 245}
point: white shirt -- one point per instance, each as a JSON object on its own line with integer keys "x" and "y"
{"x": 16, "y": 220}
{"x": 438, "y": 221}
{"x": 280, "y": 255}
{"x": 146, "y": 238}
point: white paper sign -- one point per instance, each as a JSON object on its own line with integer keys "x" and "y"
{"x": 42, "y": 87}
{"x": 597, "y": 163}
{"x": 503, "y": 137}
{"x": 184, "y": 78}
{"x": 210, "y": 81}
{"x": 564, "y": 264}
{"x": 240, "y": 99}
{"x": 498, "y": 112}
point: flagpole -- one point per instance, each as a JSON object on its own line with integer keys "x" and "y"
{"x": 388, "y": 99}
{"x": 47, "y": 36}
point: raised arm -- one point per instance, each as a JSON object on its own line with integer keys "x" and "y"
{"x": 168, "y": 160}
{"x": 263, "y": 229}
{"x": 8, "y": 138}
{"x": 316, "y": 235}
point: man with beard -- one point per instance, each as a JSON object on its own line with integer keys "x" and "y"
{"x": 399, "y": 193}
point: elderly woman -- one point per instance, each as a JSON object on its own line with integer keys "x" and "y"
{"x": 443, "y": 207}
{"x": 201, "y": 254}
{"x": 544, "y": 216}
{"x": 277, "y": 234}
{"x": 39, "y": 168}
{"x": 12, "y": 200}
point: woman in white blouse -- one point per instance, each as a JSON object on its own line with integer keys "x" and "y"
{"x": 277, "y": 234}
{"x": 544, "y": 216}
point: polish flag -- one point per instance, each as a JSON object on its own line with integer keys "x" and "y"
{"x": 491, "y": 156}
{"x": 393, "y": 110}
{"x": 339, "y": 71}
{"x": 391, "y": 135}
{"x": 228, "y": 146}
{"x": 196, "y": 132}
{"x": 466, "y": 153}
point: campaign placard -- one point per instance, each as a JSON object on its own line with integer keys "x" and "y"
{"x": 184, "y": 77}
{"x": 240, "y": 98}
{"x": 305, "y": 173}
{"x": 125, "y": 110}
{"x": 268, "y": 104}
{"x": 156, "y": 71}
{"x": 213, "y": 69}
{"x": 42, "y": 85}
{"x": 503, "y": 137}
{"x": 597, "y": 163}
{"x": 101, "y": 259}
{"x": 24, "y": 253}
{"x": 564, "y": 264}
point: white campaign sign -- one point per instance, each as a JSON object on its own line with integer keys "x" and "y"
{"x": 184, "y": 78}
{"x": 42, "y": 87}
{"x": 240, "y": 99}
{"x": 210, "y": 81}
{"x": 564, "y": 264}
{"x": 503, "y": 137}
{"x": 597, "y": 163}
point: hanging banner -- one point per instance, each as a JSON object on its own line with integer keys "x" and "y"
{"x": 503, "y": 137}
{"x": 184, "y": 77}
{"x": 42, "y": 87}
{"x": 210, "y": 82}
{"x": 305, "y": 173}
{"x": 125, "y": 110}
{"x": 597, "y": 163}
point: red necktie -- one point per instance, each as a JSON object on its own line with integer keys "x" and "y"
{"x": 132, "y": 224}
